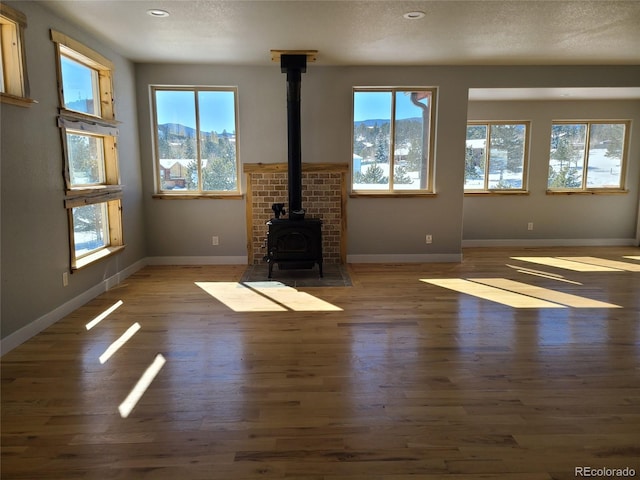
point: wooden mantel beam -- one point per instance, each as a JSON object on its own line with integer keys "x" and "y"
{"x": 311, "y": 54}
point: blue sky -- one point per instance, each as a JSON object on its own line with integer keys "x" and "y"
{"x": 374, "y": 105}
{"x": 217, "y": 109}
{"x": 77, "y": 81}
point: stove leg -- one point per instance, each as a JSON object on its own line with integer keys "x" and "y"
{"x": 270, "y": 269}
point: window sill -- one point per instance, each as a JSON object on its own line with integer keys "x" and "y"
{"x": 391, "y": 194}
{"x": 197, "y": 196}
{"x": 96, "y": 256}
{"x": 15, "y": 100}
{"x": 599, "y": 191}
{"x": 495, "y": 193}
{"x": 81, "y": 196}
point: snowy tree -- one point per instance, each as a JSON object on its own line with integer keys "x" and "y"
{"x": 373, "y": 175}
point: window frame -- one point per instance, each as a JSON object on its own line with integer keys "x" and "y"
{"x": 14, "y": 81}
{"x": 104, "y": 126}
{"x": 584, "y": 189}
{"x": 200, "y": 193}
{"x": 429, "y": 189}
{"x": 524, "y": 190}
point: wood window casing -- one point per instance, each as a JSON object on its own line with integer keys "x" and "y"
{"x": 486, "y": 188}
{"x": 14, "y": 81}
{"x": 200, "y": 190}
{"x": 102, "y": 125}
{"x": 426, "y": 181}
{"x": 584, "y": 189}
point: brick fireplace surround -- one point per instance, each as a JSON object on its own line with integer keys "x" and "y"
{"x": 324, "y": 194}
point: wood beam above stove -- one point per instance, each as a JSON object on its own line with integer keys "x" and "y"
{"x": 310, "y": 54}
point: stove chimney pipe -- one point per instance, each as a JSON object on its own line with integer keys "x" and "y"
{"x": 294, "y": 65}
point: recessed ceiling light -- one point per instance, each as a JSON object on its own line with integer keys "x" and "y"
{"x": 414, "y": 15}
{"x": 155, "y": 12}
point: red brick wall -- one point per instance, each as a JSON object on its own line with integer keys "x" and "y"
{"x": 323, "y": 195}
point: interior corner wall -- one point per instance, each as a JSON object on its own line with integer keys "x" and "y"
{"x": 35, "y": 232}
{"x": 603, "y": 219}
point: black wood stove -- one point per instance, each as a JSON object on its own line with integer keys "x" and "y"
{"x": 294, "y": 242}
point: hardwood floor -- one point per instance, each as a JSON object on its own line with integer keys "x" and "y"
{"x": 417, "y": 371}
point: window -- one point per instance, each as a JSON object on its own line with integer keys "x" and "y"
{"x": 14, "y": 84}
{"x": 502, "y": 167}
{"x": 392, "y": 140}
{"x": 195, "y": 141}
{"x": 89, "y": 140}
{"x": 587, "y": 156}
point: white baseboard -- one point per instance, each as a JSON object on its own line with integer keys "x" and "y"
{"x": 20, "y": 336}
{"x": 550, "y": 242}
{"x": 25, "y": 333}
{"x": 221, "y": 260}
{"x": 406, "y": 258}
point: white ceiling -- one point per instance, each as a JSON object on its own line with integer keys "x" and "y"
{"x": 373, "y": 32}
{"x": 585, "y": 93}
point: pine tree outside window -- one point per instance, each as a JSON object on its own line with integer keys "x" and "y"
{"x": 496, "y": 157}
{"x": 392, "y": 142}
{"x": 196, "y": 152}
{"x": 588, "y": 156}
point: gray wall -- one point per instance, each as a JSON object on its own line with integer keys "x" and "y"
{"x": 394, "y": 229}
{"x": 184, "y": 228}
{"x": 595, "y": 219}
{"x": 35, "y": 238}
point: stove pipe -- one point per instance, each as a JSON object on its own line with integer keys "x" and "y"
{"x": 294, "y": 66}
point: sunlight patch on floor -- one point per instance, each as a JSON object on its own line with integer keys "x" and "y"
{"x": 603, "y": 262}
{"x": 486, "y": 292}
{"x": 562, "y": 298}
{"x": 264, "y": 297}
{"x": 141, "y": 387}
{"x": 239, "y": 298}
{"x": 539, "y": 273}
{"x": 516, "y": 294}
{"x": 566, "y": 264}
{"x": 115, "y": 346}
{"x": 103, "y": 315}
{"x": 292, "y": 298}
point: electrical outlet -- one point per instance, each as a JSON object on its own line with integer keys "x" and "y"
{"x": 215, "y": 240}
{"x": 428, "y": 239}
{"x": 530, "y": 226}
{"x": 65, "y": 279}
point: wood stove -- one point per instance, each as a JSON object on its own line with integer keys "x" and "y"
{"x": 294, "y": 242}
